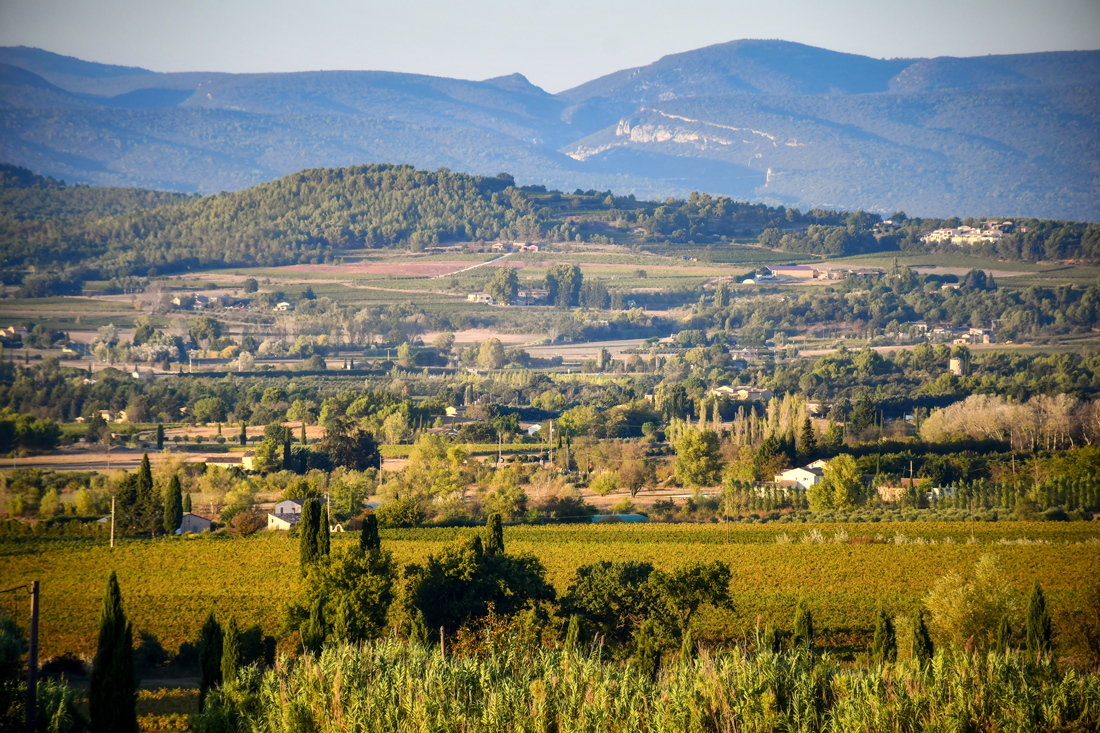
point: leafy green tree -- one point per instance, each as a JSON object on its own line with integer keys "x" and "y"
{"x": 369, "y": 541}
{"x": 268, "y": 458}
{"x": 462, "y": 582}
{"x": 112, "y": 696}
{"x": 491, "y": 354}
{"x": 354, "y": 589}
{"x": 612, "y": 598}
{"x": 884, "y": 646}
{"x": 1038, "y": 622}
{"x": 841, "y": 487}
{"x": 803, "y": 637}
{"x": 210, "y": 657}
{"x": 173, "y": 506}
{"x": 967, "y": 611}
{"x": 494, "y": 535}
{"x": 563, "y": 285}
{"x": 683, "y": 590}
{"x": 205, "y": 328}
{"x": 504, "y": 285}
{"x": 721, "y": 295}
{"x": 231, "y": 650}
{"x": 698, "y": 461}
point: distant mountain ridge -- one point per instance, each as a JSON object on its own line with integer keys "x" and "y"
{"x": 770, "y": 121}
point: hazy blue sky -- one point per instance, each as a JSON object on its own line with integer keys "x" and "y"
{"x": 557, "y": 44}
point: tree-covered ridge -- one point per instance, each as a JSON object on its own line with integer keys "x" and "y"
{"x": 26, "y": 196}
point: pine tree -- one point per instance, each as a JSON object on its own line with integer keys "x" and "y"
{"x": 920, "y": 642}
{"x": 112, "y": 697}
{"x": 231, "y": 651}
{"x": 187, "y": 503}
{"x": 244, "y": 434}
{"x": 884, "y": 647}
{"x": 210, "y": 656}
{"x": 803, "y": 628}
{"x": 807, "y": 440}
{"x": 324, "y": 542}
{"x": 307, "y": 535}
{"x": 160, "y": 436}
{"x": 494, "y": 535}
{"x": 1038, "y": 622}
{"x": 173, "y": 506}
{"x": 369, "y": 541}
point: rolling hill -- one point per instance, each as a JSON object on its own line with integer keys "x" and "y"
{"x": 769, "y": 121}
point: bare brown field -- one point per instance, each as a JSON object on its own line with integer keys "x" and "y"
{"x": 435, "y": 268}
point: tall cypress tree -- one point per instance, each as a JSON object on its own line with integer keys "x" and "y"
{"x": 1004, "y": 635}
{"x": 884, "y": 647}
{"x": 315, "y": 629}
{"x": 323, "y": 539}
{"x": 173, "y": 506}
{"x": 369, "y": 541}
{"x": 210, "y": 656}
{"x": 287, "y": 456}
{"x": 803, "y": 628}
{"x": 920, "y": 641}
{"x": 1038, "y": 622}
{"x": 244, "y": 433}
{"x": 112, "y": 698}
{"x": 187, "y": 503}
{"x": 494, "y": 535}
{"x": 807, "y": 440}
{"x": 307, "y": 535}
{"x": 160, "y": 436}
{"x": 231, "y": 650}
{"x": 303, "y": 440}
{"x": 150, "y": 513}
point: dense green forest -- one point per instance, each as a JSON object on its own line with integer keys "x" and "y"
{"x": 67, "y": 233}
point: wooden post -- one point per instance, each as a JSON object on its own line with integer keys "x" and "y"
{"x": 32, "y": 664}
{"x": 442, "y": 648}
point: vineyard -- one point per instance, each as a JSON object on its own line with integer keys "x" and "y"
{"x": 842, "y": 571}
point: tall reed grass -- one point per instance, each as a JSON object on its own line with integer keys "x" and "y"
{"x": 393, "y": 686}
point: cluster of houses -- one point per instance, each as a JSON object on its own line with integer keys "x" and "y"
{"x": 989, "y": 231}
{"x": 777, "y": 273}
{"x": 743, "y": 394}
{"x": 957, "y": 336}
{"x": 515, "y": 247}
{"x": 812, "y": 474}
{"x": 526, "y": 296}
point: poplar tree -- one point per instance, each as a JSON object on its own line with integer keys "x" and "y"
{"x": 112, "y": 697}
{"x": 210, "y": 656}
{"x": 494, "y": 535}
{"x": 1038, "y": 622}
{"x": 173, "y": 506}
{"x": 803, "y": 628}
{"x": 231, "y": 651}
{"x": 369, "y": 541}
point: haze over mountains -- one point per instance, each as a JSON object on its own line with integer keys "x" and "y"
{"x": 761, "y": 120}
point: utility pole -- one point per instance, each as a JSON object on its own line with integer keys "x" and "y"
{"x": 112, "y": 521}
{"x": 32, "y": 664}
{"x": 551, "y": 442}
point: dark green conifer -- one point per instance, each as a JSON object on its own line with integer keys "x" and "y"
{"x": 647, "y": 651}
{"x": 187, "y": 503}
{"x": 323, "y": 538}
{"x": 160, "y": 436}
{"x": 287, "y": 456}
{"x": 807, "y": 440}
{"x": 112, "y": 697}
{"x": 369, "y": 541}
{"x": 315, "y": 630}
{"x": 1038, "y": 622}
{"x": 494, "y": 535}
{"x": 210, "y": 656}
{"x": 231, "y": 650}
{"x": 1004, "y": 636}
{"x": 244, "y": 434}
{"x": 803, "y": 637}
{"x": 173, "y": 506}
{"x": 884, "y": 646}
{"x": 920, "y": 641}
{"x": 308, "y": 526}
{"x": 418, "y": 631}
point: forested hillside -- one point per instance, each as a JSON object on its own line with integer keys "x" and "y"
{"x": 312, "y": 216}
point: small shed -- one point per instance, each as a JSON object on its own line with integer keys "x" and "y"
{"x": 194, "y": 524}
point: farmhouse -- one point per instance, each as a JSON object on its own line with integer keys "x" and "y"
{"x": 804, "y": 477}
{"x": 243, "y": 461}
{"x": 744, "y": 394}
{"x": 483, "y": 298}
{"x": 194, "y": 524}
{"x": 801, "y": 272}
{"x": 287, "y": 513}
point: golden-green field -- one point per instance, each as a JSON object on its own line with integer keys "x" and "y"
{"x": 169, "y": 585}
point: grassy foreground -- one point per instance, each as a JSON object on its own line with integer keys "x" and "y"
{"x": 842, "y": 571}
{"x": 391, "y": 686}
